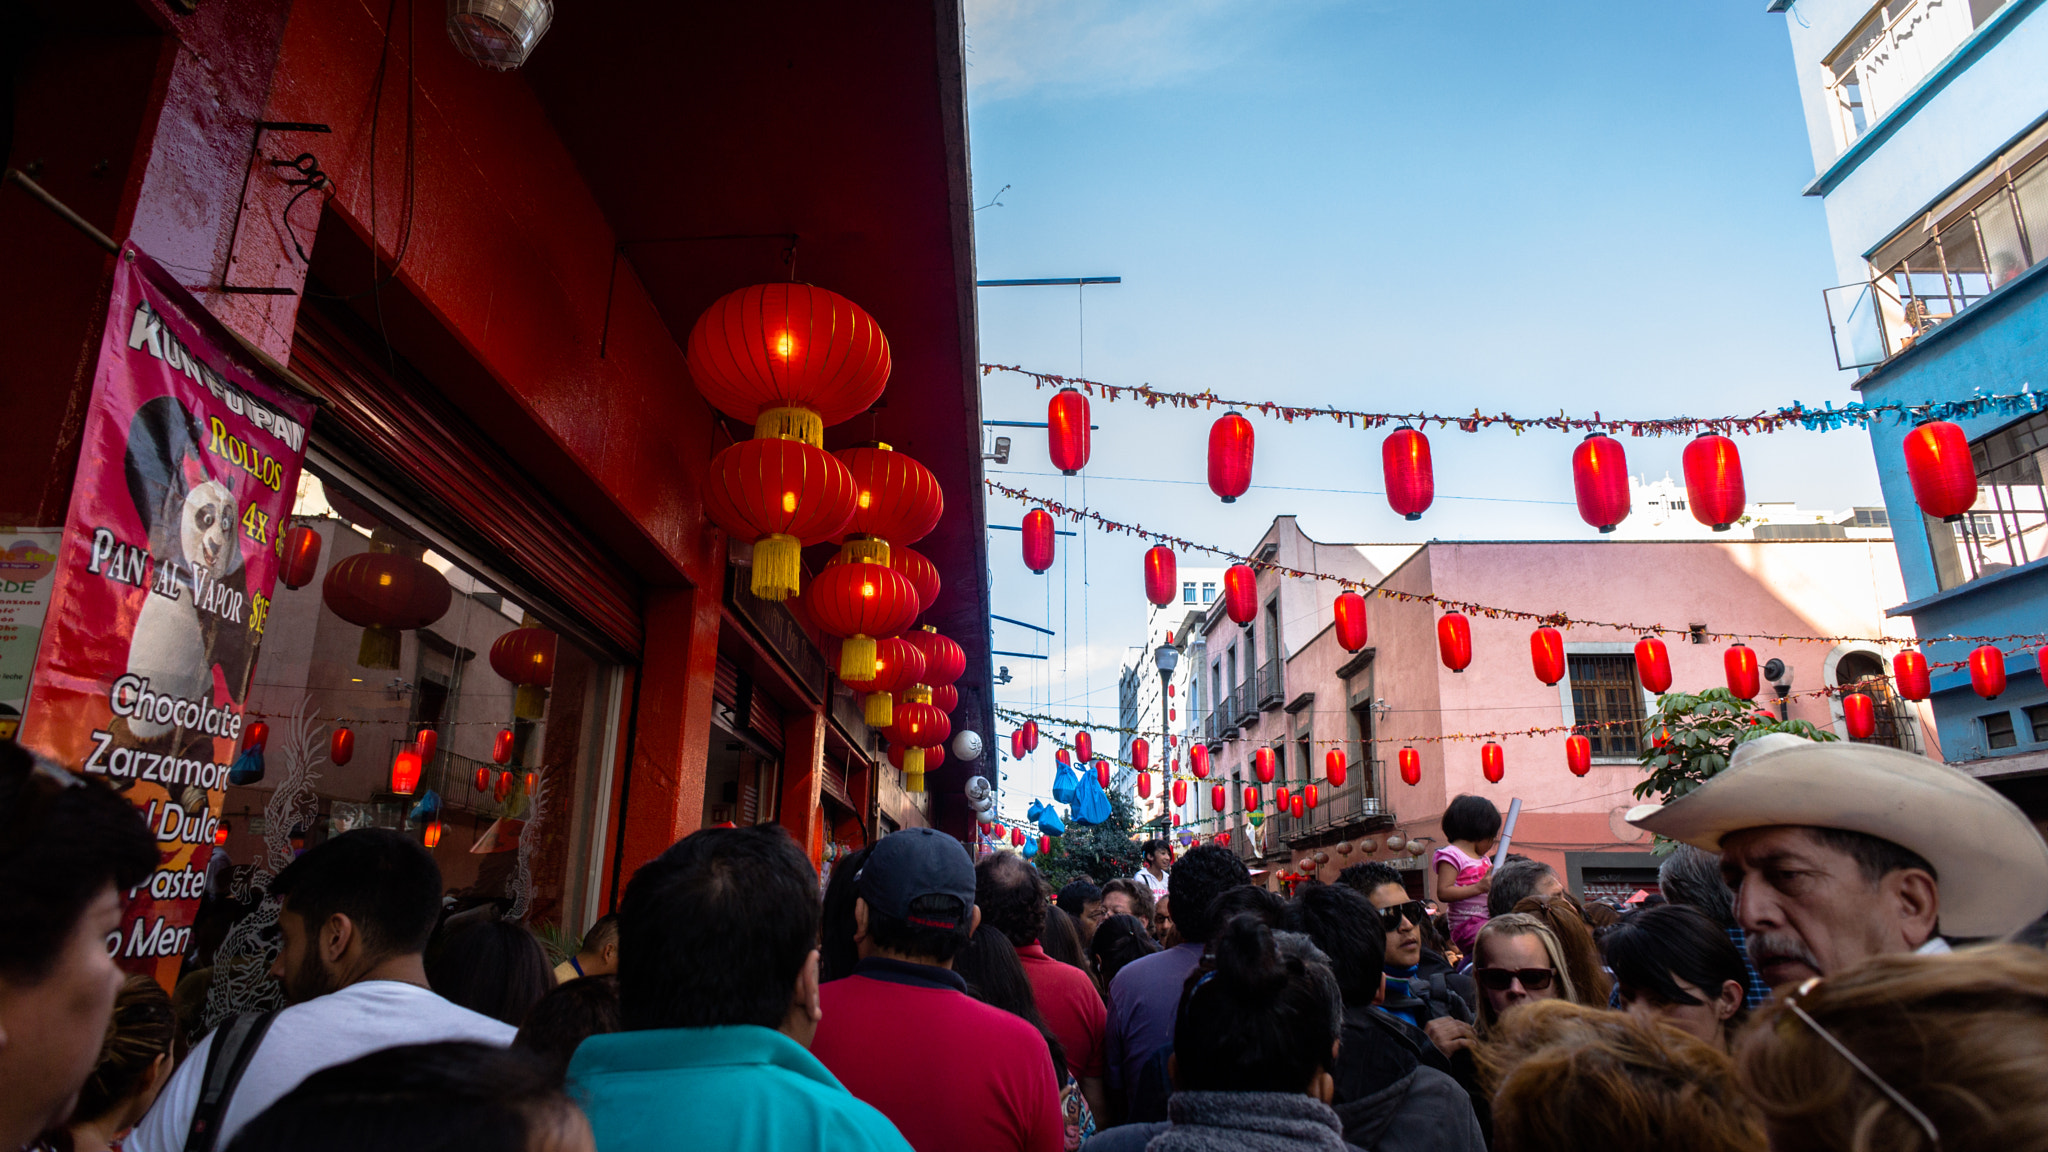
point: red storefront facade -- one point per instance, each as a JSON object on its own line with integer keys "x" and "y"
{"x": 488, "y": 295}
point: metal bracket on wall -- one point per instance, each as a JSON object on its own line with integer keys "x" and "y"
{"x": 309, "y": 178}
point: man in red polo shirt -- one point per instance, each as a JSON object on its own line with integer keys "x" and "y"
{"x": 1011, "y": 897}
{"x": 901, "y": 1032}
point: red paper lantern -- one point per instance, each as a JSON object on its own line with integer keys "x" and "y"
{"x": 1454, "y": 640}
{"x": 1066, "y": 430}
{"x": 1262, "y": 764}
{"x": 1909, "y": 674}
{"x": 1653, "y": 665}
{"x": 1141, "y": 754}
{"x": 220, "y": 835}
{"x": 1017, "y": 837}
{"x": 1411, "y": 766}
{"x": 1859, "y": 716}
{"x": 1038, "y": 539}
{"x": 341, "y": 747}
{"x": 1216, "y": 797}
{"x": 1031, "y": 735}
{"x": 1308, "y": 792}
{"x": 945, "y": 698}
{"x": 1251, "y": 797}
{"x": 1280, "y": 798}
{"x": 860, "y": 603}
{"x": 1411, "y": 481}
{"x": 1016, "y": 743}
{"x": 1044, "y": 844}
{"x": 1334, "y": 767}
{"x": 1230, "y": 456}
{"x": 525, "y": 656}
{"x": 503, "y": 746}
{"x": 405, "y": 770}
{"x": 1546, "y": 652}
{"x": 778, "y": 495}
{"x": 1296, "y": 808}
{"x": 1987, "y": 671}
{"x": 385, "y": 593}
{"x": 1144, "y": 785}
{"x": 896, "y": 500}
{"x": 1102, "y": 773}
{"x": 1180, "y": 793}
{"x": 1222, "y": 838}
{"x": 431, "y": 837}
{"x": 1084, "y": 745}
{"x": 1939, "y": 465}
{"x": 426, "y": 741}
{"x": 1740, "y": 663}
{"x": 481, "y": 778}
{"x": 1198, "y": 760}
{"x": 918, "y": 726}
{"x": 1600, "y": 480}
{"x": 255, "y": 735}
{"x": 1162, "y": 577}
{"x": 1713, "y": 481}
{"x": 301, "y": 556}
{"x": 532, "y": 782}
{"x": 1062, "y": 757}
{"x": 944, "y": 660}
{"x": 920, "y": 571}
{"x": 762, "y": 350}
{"x": 1241, "y": 593}
{"x": 1349, "y": 610}
{"x": 503, "y": 788}
{"x": 898, "y": 665}
{"x": 1578, "y": 754}
{"x": 1492, "y": 761}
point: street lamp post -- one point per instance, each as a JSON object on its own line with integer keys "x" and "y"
{"x": 1167, "y": 657}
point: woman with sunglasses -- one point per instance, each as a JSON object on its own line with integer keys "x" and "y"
{"x": 1677, "y": 967}
{"x": 1517, "y": 959}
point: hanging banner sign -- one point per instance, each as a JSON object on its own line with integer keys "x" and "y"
{"x": 170, "y": 549}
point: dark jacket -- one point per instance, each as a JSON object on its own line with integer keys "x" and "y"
{"x": 1450, "y": 991}
{"x": 1234, "y": 1122}
{"x": 1424, "y": 1111}
{"x": 1378, "y": 1050}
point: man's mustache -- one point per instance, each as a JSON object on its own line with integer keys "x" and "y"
{"x": 1767, "y": 946}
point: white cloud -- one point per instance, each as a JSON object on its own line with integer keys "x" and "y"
{"x": 1016, "y": 47}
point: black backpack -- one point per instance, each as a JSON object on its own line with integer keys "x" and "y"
{"x": 234, "y": 1043}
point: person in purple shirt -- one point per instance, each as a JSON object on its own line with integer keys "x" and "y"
{"x": 1145, "y": 996}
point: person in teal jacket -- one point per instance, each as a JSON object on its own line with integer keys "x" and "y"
{"x": 718, "y": 994}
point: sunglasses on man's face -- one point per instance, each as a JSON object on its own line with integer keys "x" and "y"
{"x": 1501, "y": 979}
{"x": 1392, "y": 915}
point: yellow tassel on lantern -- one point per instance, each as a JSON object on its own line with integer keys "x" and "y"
{"x": 379, "y": 648}
{"x": 529, "y": 702}
{"x": 857, "y": 658}
{"x": 918, "y": 694}
{"x": 790, "y": 424}
{"x": 913, "y": 769}
{"x": 778, "y": 564}
{"x": 868, "y": 549}
{"x": 880, "y": 709}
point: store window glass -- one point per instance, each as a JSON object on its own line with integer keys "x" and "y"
{"x": 498, "y": 766}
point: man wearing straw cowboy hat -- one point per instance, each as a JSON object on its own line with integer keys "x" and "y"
{"x": 1838, "y": 852}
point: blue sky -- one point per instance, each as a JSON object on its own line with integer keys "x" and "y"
{"x": 1385, "y": 206}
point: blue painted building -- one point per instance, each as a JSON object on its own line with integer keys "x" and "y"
{"x": 1929, "y": 125}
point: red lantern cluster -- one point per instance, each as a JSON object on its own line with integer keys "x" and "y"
{"x": 1943, "y": 475}
{"x": 1454, "y": 640}
{"x": 1411, "y": 482}
{"x": 1349, "y": 613}
{"x": 1241, "y": 593}
{"x": 1740, "y": 664}
{"x": 1162, "y": 576}
{"x": 1230, "y": 456}
{"x": 1492, "y": 761}
{"x": 1066, "y": 430}
{"x": 1653, "y": 665}
{"x": 1600, "y": 481}
{"x": 1038, "y": 536}
{"x": 1546, "y": 653}
{"x": 1713, "y": 481}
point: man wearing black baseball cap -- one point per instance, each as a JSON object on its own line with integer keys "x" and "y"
{"x": 901, "y": 1032}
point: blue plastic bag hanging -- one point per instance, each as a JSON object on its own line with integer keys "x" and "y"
{"x": 1047, "y": 818}
{"x": 248, "y": 767}
{"x": 427, "y": 807}
{"x": 1063, "y": 781}
{"x": 1091, "y": 803}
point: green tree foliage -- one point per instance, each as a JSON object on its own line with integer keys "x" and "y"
{"x": 1099, "y": 851}
{"x": 1690, "y": 737}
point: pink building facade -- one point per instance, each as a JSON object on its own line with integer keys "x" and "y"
{"x": 1396, "y": 693}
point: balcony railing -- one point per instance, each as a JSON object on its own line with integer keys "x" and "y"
{"x": 2008, "y": 528}
{"x": 1352, "y": 805}
{"x": 1885, "y": 58}
{"x": 1243, "y": 709}
{"x": 1272, "y": 692}
{"x": 2002, "y": 235}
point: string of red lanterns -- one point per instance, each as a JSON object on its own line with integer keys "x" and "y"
{"x": 1077, "y": 515}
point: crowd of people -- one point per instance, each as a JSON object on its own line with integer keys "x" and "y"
{"x": 1843, "y": 952}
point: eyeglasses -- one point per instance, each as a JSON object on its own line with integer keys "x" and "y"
{"x": 1392, "y": 915}
{"x": 1501, "y": 979}
{"x": 1905, "y": 1105}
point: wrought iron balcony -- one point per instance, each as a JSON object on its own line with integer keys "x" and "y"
{"x": 1346, "y": 810}
{"x": 1272, "y": 692}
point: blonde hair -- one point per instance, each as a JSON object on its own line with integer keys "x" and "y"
{"x": 1963, "y": 1037}
{"x": 1564, "y": 1075}
{"x": 1567, "y": 922}
{"x": 1521, "y": 924}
